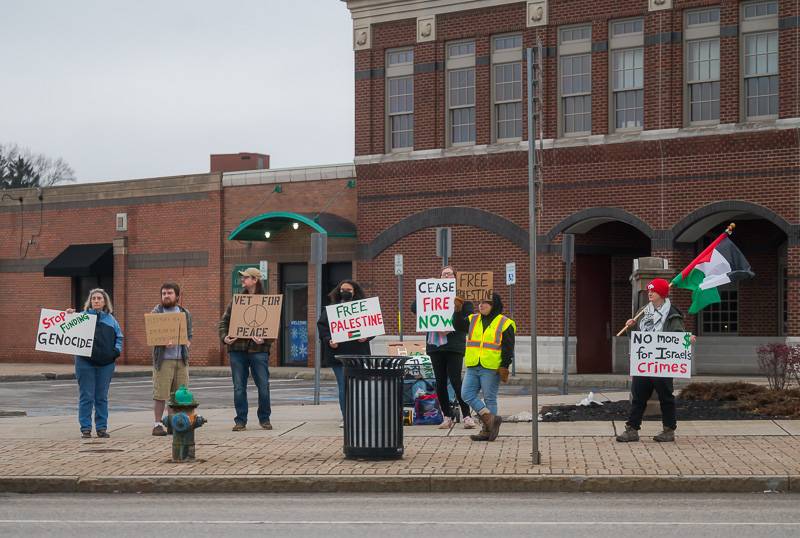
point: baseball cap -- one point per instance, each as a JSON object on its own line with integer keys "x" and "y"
{"x": 252, "y": 272}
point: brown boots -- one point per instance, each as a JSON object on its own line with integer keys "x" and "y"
{"x": 491, "y": 427}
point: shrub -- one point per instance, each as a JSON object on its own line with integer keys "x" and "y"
{"x": 778, "y": 362}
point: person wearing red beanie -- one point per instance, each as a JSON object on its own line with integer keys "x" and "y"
{"x": 659, "y": 316}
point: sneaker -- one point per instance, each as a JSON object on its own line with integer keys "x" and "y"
{"x": 86, "y": 434}
{"x": 469, "y": 423}
{"x": 239, "y": 427}
{"x": 630, "y": 435}
{"x": 266, "y": 425}
{"x": 341, "y": 424}
{"x": 446, "y": 424}
{"x": 667, "y": 436}
{"x": 159, "y": 431}
{"x": 103, "y": 434}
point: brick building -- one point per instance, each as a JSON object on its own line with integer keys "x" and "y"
{"x": 131, "y": 236}
{"x": 662, "y": 122}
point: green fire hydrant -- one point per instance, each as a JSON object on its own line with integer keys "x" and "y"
{"x": 181, "y": 424}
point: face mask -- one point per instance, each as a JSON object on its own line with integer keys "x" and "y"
{"x": 346, "y": 295}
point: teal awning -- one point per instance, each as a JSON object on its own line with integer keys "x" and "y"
{"x": 254, "y": 229}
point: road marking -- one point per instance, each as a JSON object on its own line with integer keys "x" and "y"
{"x": 395, "y": 523}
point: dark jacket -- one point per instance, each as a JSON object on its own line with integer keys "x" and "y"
{"x": 246, "y": 345}
{"x": 456, "y": 340}
{"x": 353, "y": 347}
{"x": 107, "y": 341}
{"x": 507, "y": 340}
{"x": 158, "y": 351}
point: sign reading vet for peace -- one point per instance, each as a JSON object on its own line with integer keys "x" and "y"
{"x": 59, "y": 332}
{"x": 355, "y": 320}
{"x": 255, "y": 316}
{"x": 435, "y": 304}
{"x": 655, "y": 354}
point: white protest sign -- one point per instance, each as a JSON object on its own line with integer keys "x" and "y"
{"x": 435, "y": 304}
{"x": 355, "y": 320}
{"x": 59, "y": 332}
{"x": 656, "y": 354}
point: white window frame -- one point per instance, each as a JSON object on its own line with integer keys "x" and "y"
{"x": 567, "y": 48}
{"x": 749, "y": 26}
{"x": 695, "y": 34}
{"x": 458, "y": 63}
{"x": 630, "y": 41}
{"x": 709, "y": 310}
{"x": 394, "y": 72}
{"x": 504, "y": 57}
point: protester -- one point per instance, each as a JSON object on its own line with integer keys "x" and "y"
{"x": 170, "y": 362}
{"x": 446, "y": 350}
{"x": 94, "y": 373}
{"x": 346, "y": 291}
{"x": 489, "y": 353}
{"x": 659, "y": 316}
{"x": 248, "y": 356}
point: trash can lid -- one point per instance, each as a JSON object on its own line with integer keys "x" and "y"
{"x": 373, "y": 362}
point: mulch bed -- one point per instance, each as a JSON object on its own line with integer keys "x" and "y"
{"x": 698, "y": 401}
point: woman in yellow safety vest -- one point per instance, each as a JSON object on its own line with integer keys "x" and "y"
{"x": 489, "y": 352}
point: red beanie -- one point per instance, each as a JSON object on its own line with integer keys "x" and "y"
{"x": 660, "y": 286}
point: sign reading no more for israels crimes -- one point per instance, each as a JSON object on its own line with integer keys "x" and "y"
{"x": 435, "y": 298}
{"x": 355, "y": 320}
{"x": 59, "y": 332}
{"x": 255, "y": 316}
{"x": 657, "y": 354}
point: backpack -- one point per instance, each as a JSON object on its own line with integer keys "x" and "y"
{"x": 426, "y": 407}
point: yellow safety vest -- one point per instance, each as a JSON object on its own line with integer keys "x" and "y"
{"x": 483, "y": 346}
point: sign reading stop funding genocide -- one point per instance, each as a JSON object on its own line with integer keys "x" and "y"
{"x": 59, "y": 332}
{"x": 355, "y": 320}
{"x": 435, "y": 304}
{"x": 255, "y": 316}
{"x": 656, "y": 354}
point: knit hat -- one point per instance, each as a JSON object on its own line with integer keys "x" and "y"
{"x": 660, "y": 286}
{"x": 252, "y": 272}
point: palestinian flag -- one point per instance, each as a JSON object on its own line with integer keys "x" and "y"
{"x": 354, "y": 334}
{"x": 721, "y": 262}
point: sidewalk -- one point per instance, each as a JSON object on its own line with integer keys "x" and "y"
{"x": 304, "y": 453}
{"x": 37, "y": 372}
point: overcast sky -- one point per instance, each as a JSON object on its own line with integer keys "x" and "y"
{"x": 125, "y": 89}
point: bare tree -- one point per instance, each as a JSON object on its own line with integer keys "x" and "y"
{"x": 20, "y": 168}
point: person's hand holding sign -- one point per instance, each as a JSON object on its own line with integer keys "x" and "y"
{"x": 333, "y": 344}
{"x": 229, "y": 339}
{"x": 258, "y": 340}
{"x": 459, "y": 303}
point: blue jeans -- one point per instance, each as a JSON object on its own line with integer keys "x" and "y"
{"x": 93, "y": 384}
{"x": 479, "y": 379}
{"x": 338, "y": 371}
{"x": 243, "y": 363}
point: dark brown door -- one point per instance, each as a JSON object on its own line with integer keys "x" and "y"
{"x": 593, "y": 318}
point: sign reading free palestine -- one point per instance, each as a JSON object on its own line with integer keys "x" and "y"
{"x": 355, "y": 320}
{"x": 59, "y": 332}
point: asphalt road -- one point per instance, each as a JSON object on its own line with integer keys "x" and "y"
{"x": 445, "y": 514}
{"x": 59, "y": 397}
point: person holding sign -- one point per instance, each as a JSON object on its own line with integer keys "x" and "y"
{"x": 94, "y": 373}
{"x": 446, "y": 350}
{"x": 171, "y": 361}
{"x": 248, "y": 356}
{"x": 489, "y": 353}
{"x": 345, "y": 292}
{"x": 658, "y": 316}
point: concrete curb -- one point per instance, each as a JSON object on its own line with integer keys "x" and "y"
{"x": 400, "y": 484}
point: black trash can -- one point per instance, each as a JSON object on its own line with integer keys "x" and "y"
{"x": 373, "y": 419}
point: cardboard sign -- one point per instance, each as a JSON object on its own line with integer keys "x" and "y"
{"x": 435, "y": 304}
{"x": 401, "y": 349}
{"x": 167, "y": 328}
{"x": 59, "y": 332}
{"x": 418, "y": 365}
{"x": 656, "y": 354}
{"x": 255, "y": 316}
{"x": 475, "y": 287}
{"x": 355, "y": 320}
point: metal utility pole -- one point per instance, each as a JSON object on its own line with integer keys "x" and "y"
{"x": 398, "y": 271}
{"x": 319, "y": 256}
{"x": 511, "y": 280}
{"x": 534, "y": 58}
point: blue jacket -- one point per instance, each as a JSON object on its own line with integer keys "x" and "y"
{"x": 111, "y": 321}
{"x": 106, "y": 347}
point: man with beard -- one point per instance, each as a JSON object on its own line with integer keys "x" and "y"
{"x": 170, "y": 362}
